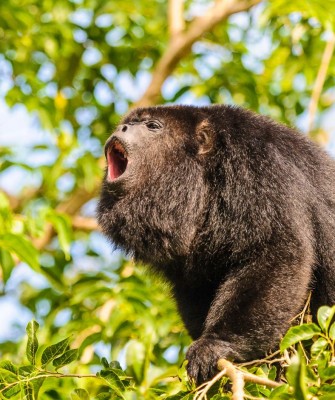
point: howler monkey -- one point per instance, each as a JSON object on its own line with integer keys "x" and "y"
{"x": 235, "y": 210}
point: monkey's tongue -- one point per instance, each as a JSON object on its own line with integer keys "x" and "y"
{"x": 117, "y": 164}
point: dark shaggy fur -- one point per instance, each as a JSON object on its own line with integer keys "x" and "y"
{"x": 237, "y": 212}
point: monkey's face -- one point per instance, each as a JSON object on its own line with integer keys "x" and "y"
{"x": 150, "y": 143}
{"x": 127, "y": 148}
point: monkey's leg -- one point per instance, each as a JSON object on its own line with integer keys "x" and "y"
{"x": 193, "y": 305}
{"x": 250, "y": 312}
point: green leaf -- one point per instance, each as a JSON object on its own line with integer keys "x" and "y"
{"x": 104, "y": 396}
{"x": 113, "y": 380}
{"x": 4, "y": 202}
{"x": 11, "y": 391}
{"x": 54, "y": 351}
{"x": 332, "y": 331}
{"x": 32, "y": 344}
{"x": 28, "y": 391}
{"x": 296, "y": 376}
{"x": 7, "y": 264}
{"x": 325, "y": 315}
{"x": 66, "y": 358}
{"x": 281, "y": 392}
{"x": 36, "y": 386}
{"x": 327, "y": 388}
{"x": 25, "y": 371}
{"x": 319, "y": 347}
{"x": 135, "y": 358}
{"x": 329, "y": 396}
{"x": 9, "y": 366}
{"x": 62, "y": 225}
{"x": 297, "y": 334}
{"x": 116, "y": 366}
{"x": 8, "y": 378}
{"x": 20, "y": 246}
{"x": 327, "y": 373}
{"x": 181, "y": 396}
{"x": 104, "y": 362}
{"x": 80, "y": 394}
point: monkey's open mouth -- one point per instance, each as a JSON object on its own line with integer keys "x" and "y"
{"x": 116, "y": 160}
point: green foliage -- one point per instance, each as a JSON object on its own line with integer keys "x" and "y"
{"x": 77, "y": 66}
{"x": 26, "y": 381}
{"x": 308, "y": 371}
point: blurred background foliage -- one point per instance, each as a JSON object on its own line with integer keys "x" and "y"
{"x": 77, "y": 66}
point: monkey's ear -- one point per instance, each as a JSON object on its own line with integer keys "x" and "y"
{"x": 204, "y": 137}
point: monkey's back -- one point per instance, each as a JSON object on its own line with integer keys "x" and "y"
{"x": 275, "y": 174}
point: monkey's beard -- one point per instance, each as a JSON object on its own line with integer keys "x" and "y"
{"x": 152, "y": 216}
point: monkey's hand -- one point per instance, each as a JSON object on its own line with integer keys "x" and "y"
{"x": 203, "y": 356}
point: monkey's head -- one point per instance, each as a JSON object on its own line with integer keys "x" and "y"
{"x": 153, "y": 191}
{"x": 152, "y": 136}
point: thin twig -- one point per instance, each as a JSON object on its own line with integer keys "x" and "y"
{"x": 320, "y": 80}
{"x": 204, "y": 388}
{"x": 48, "y": 374}
{"x": 302, "y": 313}
{"x": 266, "y": 360}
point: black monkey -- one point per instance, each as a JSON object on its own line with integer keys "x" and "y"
{"x": 235, "y": 210}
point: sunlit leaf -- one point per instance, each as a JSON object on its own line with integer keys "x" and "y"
{"x": 136, "y": 356}
{"x": 11, "y": 391}
{"x": 80, "y": 394}
{"x": 68, "y": 357}
{"x": 63, "y": 227}
{"x": 7, "y": 264}
{"x": 281, "y": 392}
{"x": 328, "y": 373}
{"x": 54, "y": 351}
{"x": 115, "y": 380}
{"x": 296, "y": 376}
{"x": 9, "y": 366}
{"x": 325, "y": 316}
{"x": 332, "y": 331}
{"x": 297, "y": 334}
{"x": 28, "y": 391}
{"x": 20, "y": 246}
{"x": 32, "y": 344}
{"x": 319, "y": 346}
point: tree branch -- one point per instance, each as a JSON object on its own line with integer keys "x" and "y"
{"x": 320, "y": 80}
{"x": 238, "y": 379}
{"x": 84, "y": 223}
{"x": 181, "y": 44}
{"x": 71, "y": 207}
{"x": 175, "y": 17}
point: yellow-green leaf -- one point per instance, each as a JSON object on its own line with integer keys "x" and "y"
{"x": 32, "y": 344}
{"x": 297, "y": 334}
{"x": 54, "y": 351}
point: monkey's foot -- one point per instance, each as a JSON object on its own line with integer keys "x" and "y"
{"x": 203, "y": 356}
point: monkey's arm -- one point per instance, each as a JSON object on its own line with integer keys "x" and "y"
{"x": 250, "y": 311}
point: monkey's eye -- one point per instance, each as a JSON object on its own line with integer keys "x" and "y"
{"x": 153, "y": 125}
